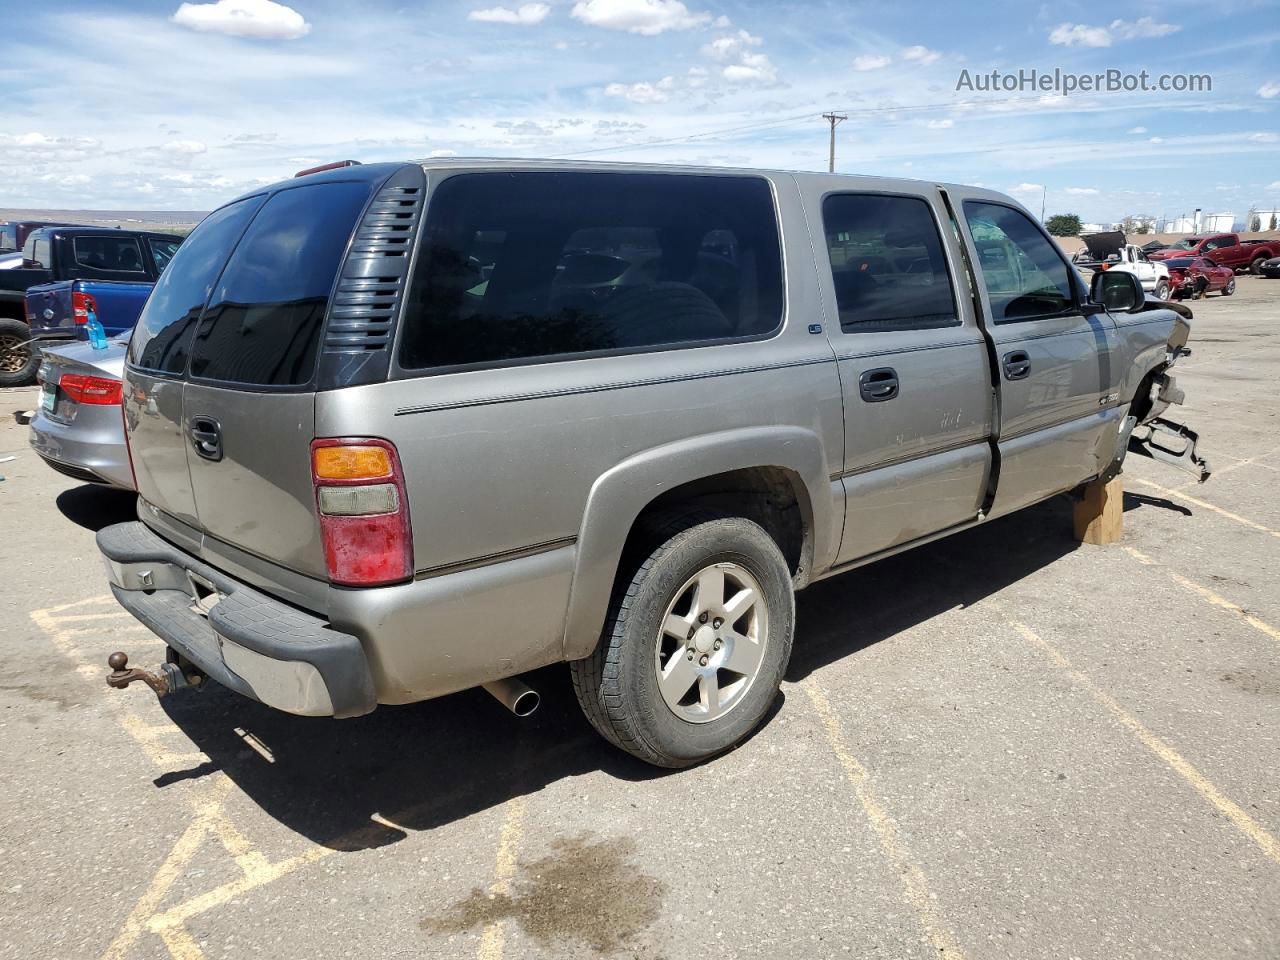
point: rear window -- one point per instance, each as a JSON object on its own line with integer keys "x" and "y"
{"x": 8, "y": 237}
{"x": 162, "y": 252}
{"x": 162, "y": 338}
{"x": 121, "y": 254}
{"x": 521, "y": 266}
{"x": 262, "y": 324}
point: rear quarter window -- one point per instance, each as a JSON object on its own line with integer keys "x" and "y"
{"x": 262, "y": 324}
{"x": 517, "y": 267}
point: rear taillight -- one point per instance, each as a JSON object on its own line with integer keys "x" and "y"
{"x": 82, "y": 304}
{"x": 85, "y": 389}
{"x": 364, "y": 513}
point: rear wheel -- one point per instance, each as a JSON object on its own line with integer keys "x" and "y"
{"x": 696, "y": 644}
{"x": 18, "y": 359}
{"x": 1230, "y": 288}
{"x": 1162, "y": 290}
{"x": 1256, "y": 267}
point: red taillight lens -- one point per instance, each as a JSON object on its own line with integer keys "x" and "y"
{"x": 85, "y": 389}
{"x": 364, "y": 513}
{"x": 82, "y": 304}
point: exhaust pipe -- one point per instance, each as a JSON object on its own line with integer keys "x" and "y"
{"x": 516, "y": 696}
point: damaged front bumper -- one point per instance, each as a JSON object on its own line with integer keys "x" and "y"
{"x": 1170, "y": 443}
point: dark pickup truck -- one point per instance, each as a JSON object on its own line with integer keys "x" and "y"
{"x": 56, "y": 264}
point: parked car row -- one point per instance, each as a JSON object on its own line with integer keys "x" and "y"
{"x": 1224, "y": 249}
{"x": 68, "y": 276}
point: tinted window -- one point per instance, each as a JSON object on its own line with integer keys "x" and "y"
{"x": 121, "y": 254}
{"x": 162, "y": 252}
{"x": 517, "y": 266}
{"x": 161, "y": 340}
{"x": 1179, "y": 261}
{"x": 1024, "y": 275}
{"x": 39, "y": 256}
{"x": 263, "y": 322}
{"x": 8, "y": 237}
{"x": 887, "y": 263}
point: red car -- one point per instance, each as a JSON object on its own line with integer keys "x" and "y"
{"x": 1195, "y": 276}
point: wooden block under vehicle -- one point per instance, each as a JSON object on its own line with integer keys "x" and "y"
{"x": 1099, "y": 517}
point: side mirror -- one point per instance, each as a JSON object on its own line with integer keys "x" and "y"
{"x": 1117, "y": 292}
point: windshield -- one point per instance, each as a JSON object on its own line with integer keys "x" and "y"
{"x": 1187, "y": 243}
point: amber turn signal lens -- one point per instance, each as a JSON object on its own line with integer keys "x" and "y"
{"x": 351, "y": 463}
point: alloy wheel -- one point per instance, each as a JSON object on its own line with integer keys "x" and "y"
{"x": 711, "y": 643}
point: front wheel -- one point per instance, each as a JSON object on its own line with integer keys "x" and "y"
{"x": 1256, "y": 267}
{"x": 1230, "y": 288}
{"x": 696, "y": 644}
{"x": 18, "y": 359}
{"x": 1162, "y": 290}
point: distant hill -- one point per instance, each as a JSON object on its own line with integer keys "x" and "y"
{"x": 177, "y": 220}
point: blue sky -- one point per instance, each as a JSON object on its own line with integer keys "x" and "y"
{"x": 161, "y": 104}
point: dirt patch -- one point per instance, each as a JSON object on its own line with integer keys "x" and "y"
{"x": 1252, "y": 681}
{"x": 586, "y": 893}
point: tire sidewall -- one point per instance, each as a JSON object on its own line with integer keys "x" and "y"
{"x": 1162, "y": 291}
{"x": 27, "y": 375}
{"x": 735, "y": 541}
{"x": 1230, "y": 288}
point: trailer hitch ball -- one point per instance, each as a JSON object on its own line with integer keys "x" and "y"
{"x": 120, "y": 676}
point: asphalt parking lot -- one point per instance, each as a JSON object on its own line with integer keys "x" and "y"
{"x": 1002, "y": 745}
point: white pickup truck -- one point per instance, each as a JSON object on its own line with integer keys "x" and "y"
{"x": 1110, "y": 251}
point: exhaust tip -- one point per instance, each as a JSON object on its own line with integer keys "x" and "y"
{"x": 526, "y": 703}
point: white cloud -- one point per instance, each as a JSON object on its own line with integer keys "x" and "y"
{"x": 260, "y": 19}
{"x": 941, "y": 124}
{"x": 870, "y": 62}
{"x": 1156, "y": 140}
{"x": 33, "y": 140}
{"x": 1082, "y": 191}
{"x": 146, "y": 189}
{"x": 526, "y": 15}
{"x": 754, "y": 68}
{"x": 184, "y": 148}
{"x": 1079, "y": 35}
{"x": 646, "y": 17}
{"x": 921, "y": 55}
{"x": 659, "y": 92}
{"x": 1274, "y": 185}
{"x": 444, "y": 153}
{"x": 1142, "y": 28}
{"x": 1027, "y": 188}
{"x": 697, "y": 77}
{"x": 1138, "y": 130}
{"x": 730, "y": 46}
{"x": 1269, "y": 90}
{"x": 1264, "y": 137}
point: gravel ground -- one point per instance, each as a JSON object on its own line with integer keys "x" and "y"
{"x": 999, "y": 745}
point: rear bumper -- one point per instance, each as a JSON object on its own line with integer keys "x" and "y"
{"x": 247, "y": 641}
{"x": 91, "y": 447}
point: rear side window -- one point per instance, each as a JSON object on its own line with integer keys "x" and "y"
{"x": 120, "y": 254}
{"x": 8, "y": 237}
{"x": 162, "y": 338}
{"x": 36, "y": 252}
{"x": 262, "y": 325}
{"x": 1025, "y": 277}
{"x": 887, "y": 263}
{"x": 162, "y": 252}
{"x": 520, "y": 266}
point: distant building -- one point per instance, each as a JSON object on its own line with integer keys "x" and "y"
{"x": 1200, "y": 222}
{"x": 1264, "y": 219}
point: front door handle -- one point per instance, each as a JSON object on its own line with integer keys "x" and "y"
{"x": 1017, "y": 365}
{"x": 878, "y": 385}
{"x": 206, "y": 437}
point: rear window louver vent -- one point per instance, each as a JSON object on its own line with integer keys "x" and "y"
{"x": 374, "y": 277}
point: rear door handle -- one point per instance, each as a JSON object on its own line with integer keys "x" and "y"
{"x": 206, "y": 437}
{"x": 878, "y": 385}
{"x": 1017, "y": 365}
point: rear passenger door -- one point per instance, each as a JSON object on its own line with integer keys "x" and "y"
{"x": 1057, "y": 361}
{"x": 913, "y": 368}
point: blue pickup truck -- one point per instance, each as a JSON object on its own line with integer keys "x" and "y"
{"x": 66, "y": 274}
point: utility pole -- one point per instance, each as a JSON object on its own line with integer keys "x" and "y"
{"x": 1044, "y": 191}
{"x": 833, "y": 119}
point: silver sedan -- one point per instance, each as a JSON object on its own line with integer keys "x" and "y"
{"x": 78, "y": 429}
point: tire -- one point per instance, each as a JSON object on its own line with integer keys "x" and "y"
{"x": 1256, "y": 267}
{"x": 1162, "y": 290}
{"x": 18, "y": 364}
{"x": 1230, "y": 288}
{"x": 619, "y": 687}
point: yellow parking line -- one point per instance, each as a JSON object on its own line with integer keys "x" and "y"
{"x": 493, "y": 939}
{"x": 915, "y": 886}
{"x": 1205, "y": 593}
{"x": 1269, "y": 845}
{"x": 1208, "y": 506}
